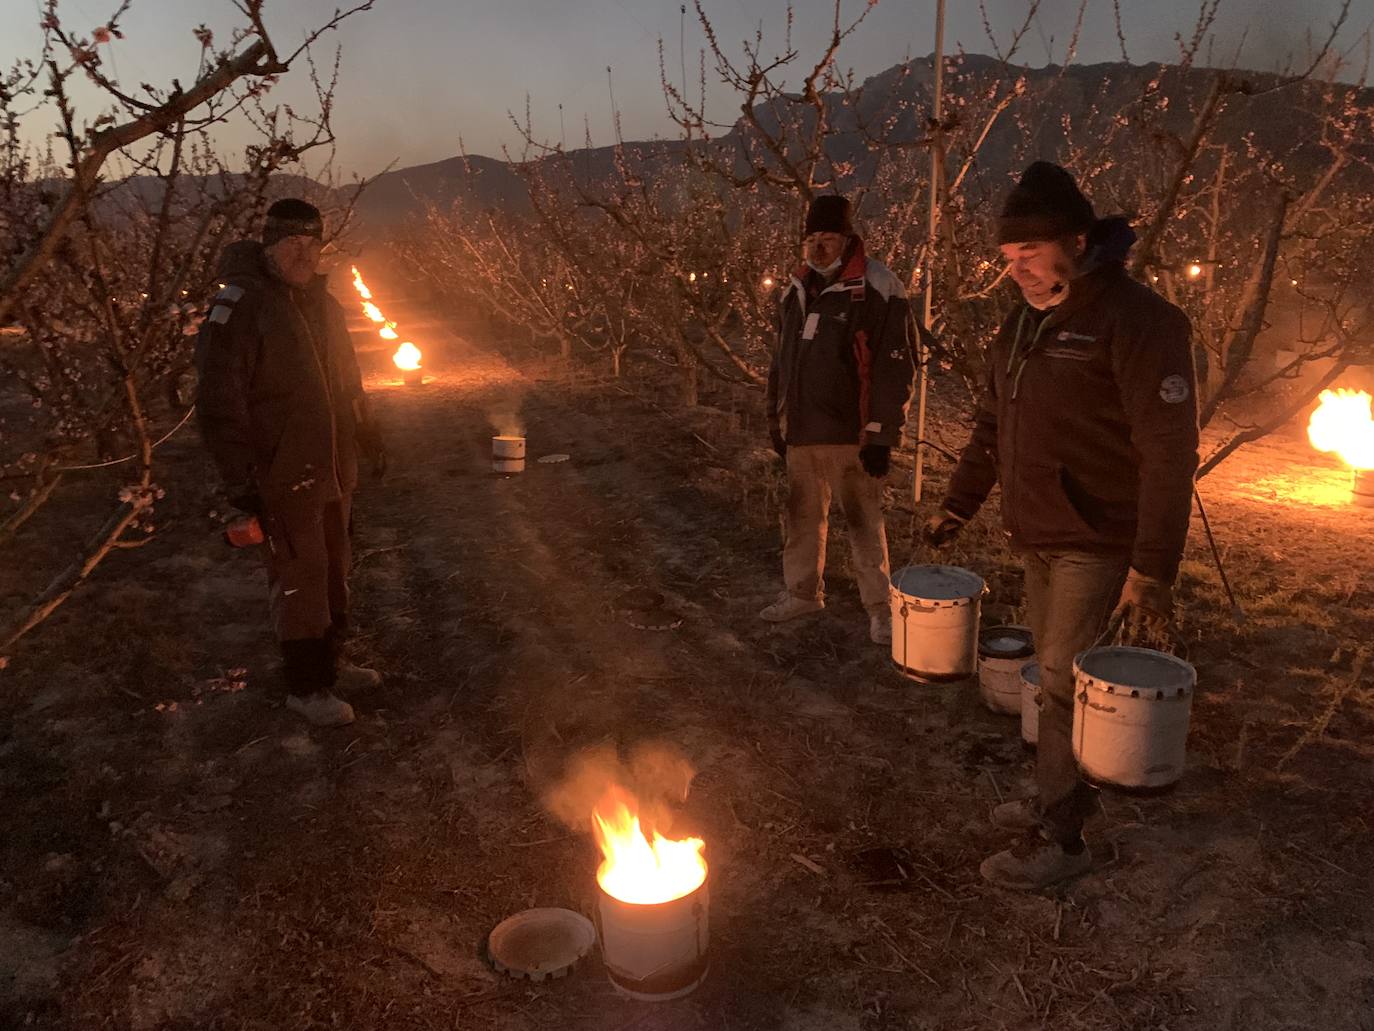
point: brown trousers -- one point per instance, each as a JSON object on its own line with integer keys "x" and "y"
{"x": 308, "y": 562}
{"x": 1070, "y": 595}
{"x": 815, "y": 473}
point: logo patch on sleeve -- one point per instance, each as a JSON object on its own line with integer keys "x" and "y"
{"x": 1174, "y": 390}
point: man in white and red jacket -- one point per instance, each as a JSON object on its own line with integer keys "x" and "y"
{"x": 1089, "y": 424}
{"x": 838, "y": 390}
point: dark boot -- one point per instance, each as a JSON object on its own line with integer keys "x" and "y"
{"x": 308, "y": 669}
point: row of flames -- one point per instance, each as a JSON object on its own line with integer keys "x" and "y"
{"x": 407, "y": 356}
{"x": 1342, "y": 425}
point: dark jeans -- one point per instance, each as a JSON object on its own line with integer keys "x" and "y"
{"x": 1070, "y": 595}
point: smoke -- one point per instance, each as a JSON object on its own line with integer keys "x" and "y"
{"x": 504, "y": 415}
{"x": 656, "y": 773}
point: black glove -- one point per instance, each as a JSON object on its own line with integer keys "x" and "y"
{"x": 941, "y": 528}
{"x": 876, "y": 459}
{"x": 779, "y": 443}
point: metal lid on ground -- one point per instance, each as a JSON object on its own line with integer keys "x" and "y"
{"x": 539, "y": 944}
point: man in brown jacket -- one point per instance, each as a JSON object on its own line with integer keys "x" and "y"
{"x": 1089, "y": 423}
{"x": 282, "y": 411}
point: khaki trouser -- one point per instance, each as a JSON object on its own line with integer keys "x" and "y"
{"x": 1070, "y": 595}
{"x": 308, "y": 563}
{"x": 816, "y": 472}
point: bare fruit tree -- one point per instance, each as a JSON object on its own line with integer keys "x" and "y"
{"x": 115, "y": 244}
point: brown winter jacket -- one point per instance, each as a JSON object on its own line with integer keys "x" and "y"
{"x": 1089, "y": 421}
{"x": 278, "y": 386}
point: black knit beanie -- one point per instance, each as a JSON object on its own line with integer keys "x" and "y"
{"x": 1045, "y": 205}
{"x": 292, "y": 217}
{"x": 829, "y": 214}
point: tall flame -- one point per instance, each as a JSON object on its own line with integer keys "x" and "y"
{"x": 635, "y": 870}
{"x": 1342, "y": 424}
{"x": 407, "y": 356}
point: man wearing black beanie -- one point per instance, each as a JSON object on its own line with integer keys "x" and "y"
{"x": 282, "y": 410}
{"x": 1089, "y": 423}
{"x": 838, "y": 388}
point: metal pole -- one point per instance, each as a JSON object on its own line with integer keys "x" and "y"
{"x": 937, "y": 174}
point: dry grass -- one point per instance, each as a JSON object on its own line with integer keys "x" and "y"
{"x": 217, "y": 866}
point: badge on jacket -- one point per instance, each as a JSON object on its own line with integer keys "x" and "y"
{"x": 1173, "y": 390}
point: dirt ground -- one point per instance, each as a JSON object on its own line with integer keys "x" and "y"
{"x": 181, "y": 853}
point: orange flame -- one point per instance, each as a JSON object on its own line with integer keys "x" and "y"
{"x": 1342, "y": 424}
{"x": 633, "y": 869}
{"x": 407, "y": 356}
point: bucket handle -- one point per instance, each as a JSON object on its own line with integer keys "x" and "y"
{"x": 1114, "y": 632}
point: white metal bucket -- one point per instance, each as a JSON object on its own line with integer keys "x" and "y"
{"x": 655, "y": 952}
{"x": 508, "y": 454}
{"x": 1362, "y": 487}
{"x": 1030, "y": 703}
{"x": 935, "y": 622}
{"x": 1002, "y": 651}
{"x": 1131, "y": 713}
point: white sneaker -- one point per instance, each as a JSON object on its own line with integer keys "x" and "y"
{"x": 880, "y": 627}
{"x": 789, "y": 606}
{"x": 321, "y": 709}
{"x": 352, "y": 679}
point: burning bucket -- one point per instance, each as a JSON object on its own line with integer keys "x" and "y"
{"x": 1002, "y": 651}
{"x": 508, "y": 454}
{"x": 655, "y": 952}
{"x": 651, "y": 908}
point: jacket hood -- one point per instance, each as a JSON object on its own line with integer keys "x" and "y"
{"x": 248, "y": 259}
{"x": 243, "y": 258}
{"x": 1108, "y": 242}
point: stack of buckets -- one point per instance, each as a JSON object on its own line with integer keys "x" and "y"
{"x": 1131, "y": 705}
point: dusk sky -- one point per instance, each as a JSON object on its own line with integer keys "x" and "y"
{"x": 420, "y": 74}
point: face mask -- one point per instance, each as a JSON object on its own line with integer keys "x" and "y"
{"x": 832, "y": 267}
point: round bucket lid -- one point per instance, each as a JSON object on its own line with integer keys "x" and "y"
{"x": 554, "y": 459}
{"x": 1030, "y": 673}
{"x": 937, "y": 583}
{"x": 1006, "y": 642}
{"x": 540, "y": 943}
{"x": 1138, "y": 669}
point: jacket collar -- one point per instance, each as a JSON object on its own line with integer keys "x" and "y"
{"x": 852, "y": 276}
{"x": 1085, "y": 290}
